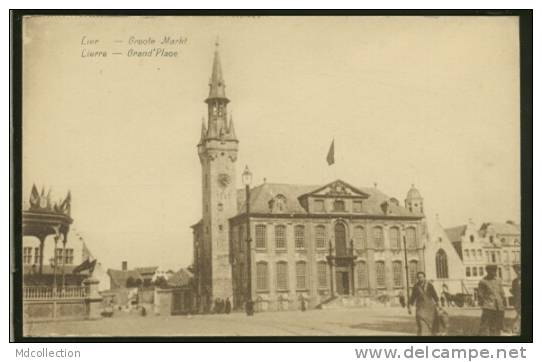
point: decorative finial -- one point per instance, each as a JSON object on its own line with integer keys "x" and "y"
{"x": 264, "y": 180}
{"x": 217, "y": 42}
{"x": 375, "y": 184}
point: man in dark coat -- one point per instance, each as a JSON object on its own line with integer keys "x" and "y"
{"x": 491, "y": 298}
{"x": 227, "y": 308}
{"x": 426, "y": 299}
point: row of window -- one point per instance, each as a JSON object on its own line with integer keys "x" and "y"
{"x": 322, "y": 274}
{"x": 359, "y": 237}
{"x": 478, "y": 271}
{"x": 338, "y": 206}
{"x": 493, "y": 256}
{"x": 34, "y": 258}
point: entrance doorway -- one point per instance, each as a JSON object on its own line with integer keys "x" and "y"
{"x": 343, "y": 283}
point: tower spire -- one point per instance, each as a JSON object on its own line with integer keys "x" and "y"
{"x": 217, "y": 87}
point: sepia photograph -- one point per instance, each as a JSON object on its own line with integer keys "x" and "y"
{"x": 271, "y": 176}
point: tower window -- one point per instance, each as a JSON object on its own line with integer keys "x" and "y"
{"x": 472, "y": 238}
{"x": 442, "y": 264}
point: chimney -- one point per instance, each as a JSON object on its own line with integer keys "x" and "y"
{"x": 124, "y": 266}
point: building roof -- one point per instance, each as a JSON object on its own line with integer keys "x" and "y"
{"x": 180, "y": 278}
{"x": 501, "y": 228}
{"x": 119, "y": 277}
{"x": 455, "y": 233}
{"x": 147, "y": 270}
{"x": 413, "y": 193}
{"x": 217, "y": 88}
{"x": 262, "y": 194}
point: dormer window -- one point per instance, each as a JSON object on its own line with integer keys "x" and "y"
{"x": 338, "y": 205}
{"x": 278, "y": 204}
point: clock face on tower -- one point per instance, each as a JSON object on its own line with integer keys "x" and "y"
{"x": 224, "y": 180}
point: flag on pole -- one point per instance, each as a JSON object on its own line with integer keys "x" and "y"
{"x": 331, "y": 154}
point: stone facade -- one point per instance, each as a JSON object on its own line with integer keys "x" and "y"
{"x": 307, "y": 243}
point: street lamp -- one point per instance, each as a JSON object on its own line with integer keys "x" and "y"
{"x": 247, "y": 179}
{"x": 407, "y": 274}
{"x": 52, "y": 262}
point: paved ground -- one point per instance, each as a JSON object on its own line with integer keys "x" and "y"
{"x": 352, "y": 321}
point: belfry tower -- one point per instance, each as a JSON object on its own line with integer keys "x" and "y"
{"x": 217, "y": 150}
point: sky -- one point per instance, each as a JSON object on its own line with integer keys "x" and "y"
{"x": 430, "y": 101}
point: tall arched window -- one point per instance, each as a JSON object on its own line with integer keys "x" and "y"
{"x": 380, "y": 274}
{"x": 262, "y": 278}
{"x": 395, "y": 239}
{"x": 280, "y": 237}
{"x": 363, "y": 280}
{"x": 442, "y": 264}
{"x": 378, "y": 237}
{"x": 410, "y": 234}
{"x": 412, "y": 271}
{"x": 360, "y": 237}
{"x": 321, "y": 237}
{"x": 299, "y": 235}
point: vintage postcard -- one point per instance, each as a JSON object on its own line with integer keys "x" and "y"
{"x": 271, "y": 176}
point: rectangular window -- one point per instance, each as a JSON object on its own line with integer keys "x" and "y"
{"x": 493, "y": 257}
{"x": 481, "y": 271}
{"x": 467, "y": 254}
{"x": 58, "y": 256}
{"x": 68, "y": 258}
{"x": 322, "y": 274}
{"x": 299, "y": 234}
{"x": 357, "y": 206}
{"x": 262, "y": 280}
{"x": 378, "y": 237}
{"x": 467, "y": 271}
{"x": 397, "y": 274}
{"x": 380, "y": 274}
{"x": 280, "y": 237}
{"x": 319, "y": 205}
{"x": 321, "y": 237}
{"x": 359, "y": 237}
{"x": 395, "y": 239}
{"x": 480, "y": 254}
{"x": 474, "y": 271}
{"x": 37, "y": 255}
{"x": 338, "y": 205}
{"x": 363, "y": 281}
{"x": 27, "y": 255}
{"x": 282, "y": 276}
{"x": 412, "y": 271}
{"x": 506, "y": 257}
{"x": 261, "y": 237}
{"x": 301, "y": 275}
{"x": 411, "y": 241}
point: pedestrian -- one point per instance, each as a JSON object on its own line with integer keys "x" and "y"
{"x": 442, "y": 300}
{"x": 249, "y": 307}
{"x": 402, "y": 299}
{"x": 516, "y": 298}
{"x": 227, "y": 308}
{"x": 303, "y": 306}
{"x": 426, "y": 299}
{"x": 491, "y": 298}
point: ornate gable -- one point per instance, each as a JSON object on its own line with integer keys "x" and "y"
{"x": 338, "y": 188}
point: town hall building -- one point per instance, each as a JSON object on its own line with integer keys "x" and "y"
{"x": 307, "y": 243}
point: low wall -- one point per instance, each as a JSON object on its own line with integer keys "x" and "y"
{"x": 62, "y": 309}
